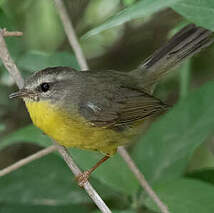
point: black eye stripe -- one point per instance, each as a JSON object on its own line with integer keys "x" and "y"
{"x": 44, "y": 87}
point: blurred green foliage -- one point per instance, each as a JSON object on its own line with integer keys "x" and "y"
{"x": 174, "y": 152}
{"x": 185, "y": 195}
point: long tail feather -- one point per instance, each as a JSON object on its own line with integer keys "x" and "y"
{"x": 187, "y": 42}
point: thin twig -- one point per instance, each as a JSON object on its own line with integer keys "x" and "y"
{"x": 83, "y": 64}
{"x": 13, "y": 70}
{"x": 8, "y": 61}
{"x": 87, "y": 186}
{"x": 27, "y": 160}
{"x": 71, "y": 35}
{"x": 6, "y": 33}
{"x": 124, "y": 154}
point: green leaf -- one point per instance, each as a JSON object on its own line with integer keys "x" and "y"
{"x": 43, "y": 28}
{"x": 2, "y": 2}
{"x": 117, "y": 211}
{"x": 128, "y": 2}
{"x": 163, "y": 153}
{"x": 4, "y": 100}
{"x": 140, "y": 9}
{"x": 202, "y": 158}
{"x": 206, "y": 175}
{"x": 2, "y": 127}
{"x": 46, "y": 181}
{"x": 14, "y": 44}
{"x": 5, "y": 21}
{"x": 123, "y": 211}
{"x": 198, "y": 12}
{"x": 14, "y": 208}
{"x": 28, "y": 134}
{"x": 185, "y": 78}
{"x": 186, "y": 196}
{"x": 36, "y": 60}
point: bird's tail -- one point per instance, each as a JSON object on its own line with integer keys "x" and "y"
{"x": 187, "y": 42}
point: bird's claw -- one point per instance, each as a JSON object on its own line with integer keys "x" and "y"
{"x": 83, "y": 178}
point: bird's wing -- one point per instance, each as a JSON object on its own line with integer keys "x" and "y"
{"x": 125, "y": 107}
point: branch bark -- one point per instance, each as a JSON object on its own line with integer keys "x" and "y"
{"x": 71, "y": 35}
{"x": 145, "y": 185}
{"x": 6, "y": 33}
{"x": 8, "y": 61}
{"x": 87, "y": 186}
{"x": 27, "y": 160}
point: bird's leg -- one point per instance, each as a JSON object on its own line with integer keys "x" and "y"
{"x": 83, "y": 177}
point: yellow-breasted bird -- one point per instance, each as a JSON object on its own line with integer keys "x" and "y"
{"x": 101, "y": 110}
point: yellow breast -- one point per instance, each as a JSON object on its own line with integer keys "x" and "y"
{"x": 73, "y": 130}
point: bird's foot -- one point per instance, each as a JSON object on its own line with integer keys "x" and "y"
{"x": 83, "y": 178}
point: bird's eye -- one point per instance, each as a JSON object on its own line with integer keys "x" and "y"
{"x": 45, "y": 87}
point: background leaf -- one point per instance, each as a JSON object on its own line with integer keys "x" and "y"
{"x": 196, "y": 11}
{"x": 37, "y": 60}
{"x": 14, "y": 208}
{"x": 186, "y": 196}
{"x": 206, "y": 175}
{"x": 163, "y": 153}
{"x": 43, "y": 27}
{"x": 140, "y": 9}
{"x": 47, "y": 181}
{"x": 118, "y": 211}
{"x": 202, "y": 158}
{"x": 28, "y": 134}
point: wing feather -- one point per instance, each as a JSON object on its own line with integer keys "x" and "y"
{"x": 129, "y": 110}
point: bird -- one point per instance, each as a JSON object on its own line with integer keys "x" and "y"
{"x": 100, "y": 110}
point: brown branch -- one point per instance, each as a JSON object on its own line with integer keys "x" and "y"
{"x": 71, "y": 35}
{"x": 13, "y": 70}
{"x": 124, "y": 154}
{"x": 8, "y": 61}
{"x": 87, "y": 186}
{"x": 83, "y": 64}
{"x": 27, "y": 160}
{"x": 6, "y": 33}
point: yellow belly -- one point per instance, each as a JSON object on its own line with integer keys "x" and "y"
{"x": 73, "y": 130}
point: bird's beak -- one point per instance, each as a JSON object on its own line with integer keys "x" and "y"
{"x": 22, "y": 93}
